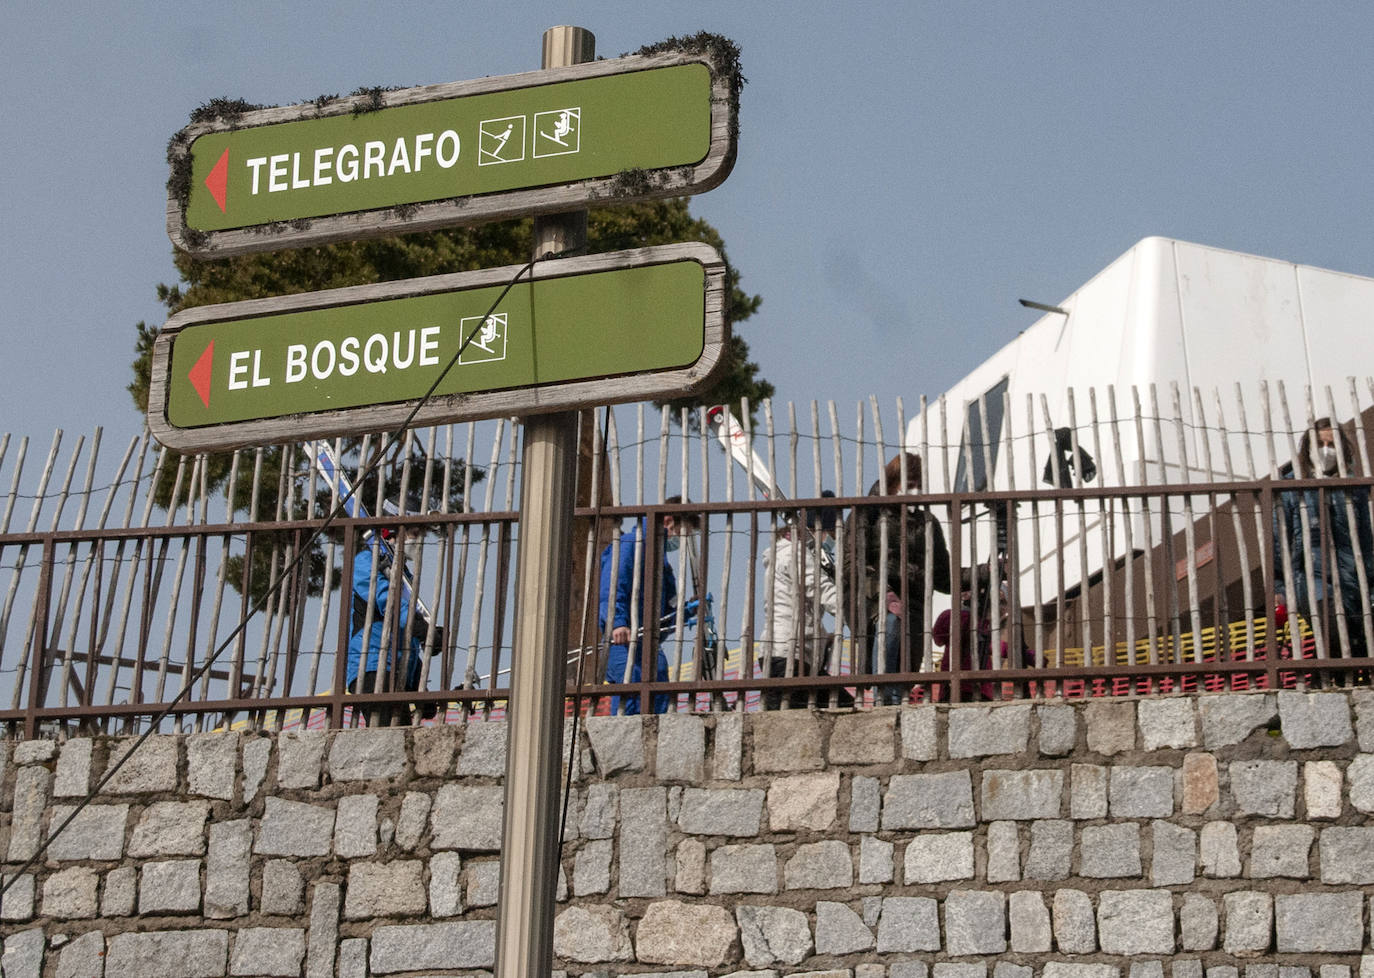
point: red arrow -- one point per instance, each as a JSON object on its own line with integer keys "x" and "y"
{"x": 200, "y": 373}
{"x": 218, "y": 180}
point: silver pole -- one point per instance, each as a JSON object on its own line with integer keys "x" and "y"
{"x": 529, "y": 864}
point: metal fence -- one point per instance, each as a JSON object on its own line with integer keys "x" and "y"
{"x": 962, "y": 556}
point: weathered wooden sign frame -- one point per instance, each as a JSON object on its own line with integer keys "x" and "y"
{"x": 627, "y": 184}
{"x": 443, "y": 408}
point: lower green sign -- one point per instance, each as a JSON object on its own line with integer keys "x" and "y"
{"x": 575, "y": 332}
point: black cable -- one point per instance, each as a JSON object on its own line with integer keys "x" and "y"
{"x": 154, "y": 722}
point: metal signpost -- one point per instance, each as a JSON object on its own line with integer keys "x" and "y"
{"x": 599, "y": 329}
{"x": 443, "y": 155}
{"x": 570, "y": 333}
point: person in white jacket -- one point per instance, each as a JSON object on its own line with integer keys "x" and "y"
{"x": 799, "y": 571}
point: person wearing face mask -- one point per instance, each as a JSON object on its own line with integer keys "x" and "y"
{"x": 1330, "y": 530}
{"x": 799, "y": 569}
{"x": 622, "y": 604}
{"x": 894, "y": 593}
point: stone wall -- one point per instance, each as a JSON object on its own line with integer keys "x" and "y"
{"x": 1192, "y": 837}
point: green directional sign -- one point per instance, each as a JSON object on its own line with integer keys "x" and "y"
{"x": 591, "y": 330}
{"x": 452, "y": 154}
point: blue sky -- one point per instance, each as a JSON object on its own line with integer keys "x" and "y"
{"x": 905, "y": 173}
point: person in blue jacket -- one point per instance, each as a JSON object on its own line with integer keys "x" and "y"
{"x": 621, "y": 564}
{"x": 1332, "y": 527}
{"x": 401, "y": 671}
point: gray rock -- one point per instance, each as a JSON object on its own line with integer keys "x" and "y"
{"x": 1249, "y": 922}
{"x": 592, "y": 868}
{"x": 908, "y": 969}
{"x": 433, "y": 947}
{"x": 70, "y": 893}
{"x": 18, "y": 903}
{"x": 445, "y": 889}
{"x": 865, "y": 804}
{"x": 293, "y": 828}
{"x": 1004, "y": 853}
{"x": 773, "y": 935}
{"x": 300, "y": 754}
{"x": 867, "y": 737}
{"x": 681, "y": 748}
{"x": 355, "y": 826}
{"x": 83, "y": 957}
{"x": 743, "y": 869}
{"x": 643, "y": 842}
{"x": 1135, "y": 921}
{"x": 807, "y": 802}
{"x": 929, "y": 801}
{"x": 1319, "y": 923}
{"x": 1174, "y": 862}
{"x": 1281, "y": 850}
{"x": 1022, "y": 795}
{"x": 352, "y": 956}
{"x": 1141, "y": 792}
{"x": 97, "y": 831}
{"x": 171, "y": 886}
{"x": 908, "y": 924}
{"x": 875, "y": 860}
{"x": 23, "y": 954}
{"x": 1051, "y": 850}
{"x": 1030, "y": 922}
{"x": 467, "y": 817}
{"x": 1111, "y": 726}
{"x": 1087, "y": 791}
{"x": 1198, "y": 923}
{"x": 121, "y": 890}
{"x": 212, "y": 764}
{"x": 1219, "y": 851}
{"x": 1058, "y": 729}
{"x": 1346, "y": 854}
{"x": 256, "y": 753}
{"x": 433, "y": 749}
{"x": 819, "y": 866}
{"x": 1005, "y": 969}
{"x": 975, "y": 922}
{"x": 937, "y": 857}
{"x": 1230, "y": 718}
{"x": 1314, "y": 719}
{"x": 410, "y": 826}
{"x": 1188, "y": 968}
{"x": 959, "y": 969}
{"x": 983, "y": 731}
{"x": 32, "y": 792}
{"x": 735, "y": 812}
{"x": 592, "y": 935}
{"x": 839, "y": 930}
{"x": 1321, "y": 783}
{"x": 1147, "y": 969}
{"x": 787, "y": 741}
{"x": 617, "y": 743}
{"x": 200, "y": 953}
{"x": 226, "y": 869}
{"x": 677, "y": 933}
{"x": 367, "y": 755}
{"x": 1109, "y": 851}
{"x": 150, "y": 768}
{"x": 385, "y": 890}
{"x": 73, "y": 777}
{"x": 169, "y": 828}
{"x": 275, "y": 951}
{"x": 1167, "y": 722}
{"x": 1075, "y": 925}
{"x": 484, "y": 749}
{"x": 600, "y": 811}
{"x": 283, "y": 888}
{"x": 918, "y": 724}
{"x": 1264, "y": 787}
{"x": 727, "y": 751}
{"x": 484, "y": 882}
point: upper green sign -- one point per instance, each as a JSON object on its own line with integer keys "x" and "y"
{"x": 622, "y": 326}
{"x": 453, "y": 154}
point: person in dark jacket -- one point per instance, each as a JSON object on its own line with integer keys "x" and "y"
{"x": 1329, "y": 540}
{"x": 622, "y": 602}
{"x": 894, "y": 592}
